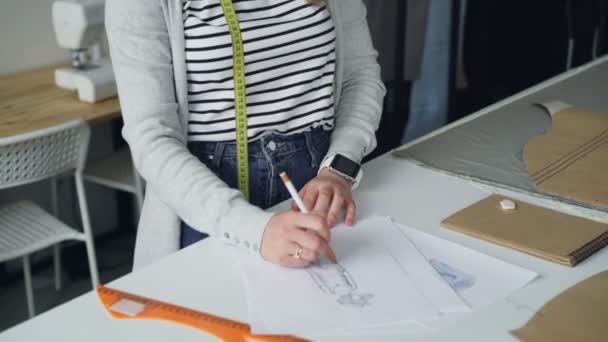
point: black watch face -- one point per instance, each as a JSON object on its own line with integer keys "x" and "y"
{"x": 346, "y": 166}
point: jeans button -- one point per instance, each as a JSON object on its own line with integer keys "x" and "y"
{"x": 272, "y": 146}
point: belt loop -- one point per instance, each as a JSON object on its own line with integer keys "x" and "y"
{"x": 314, "y": 158}
{"x": 218, "y": 154}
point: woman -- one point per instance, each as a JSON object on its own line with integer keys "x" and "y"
{"x": 313, "y": 99}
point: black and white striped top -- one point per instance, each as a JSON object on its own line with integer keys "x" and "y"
{"x": 289, "y": 61}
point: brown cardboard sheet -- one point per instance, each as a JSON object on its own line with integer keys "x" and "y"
{"x": 535, "y": 230}
{"x": 578, "y": 314}
{"x": 571, "y": 159}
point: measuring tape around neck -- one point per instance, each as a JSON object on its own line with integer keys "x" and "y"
{"x": 240, "y": 97}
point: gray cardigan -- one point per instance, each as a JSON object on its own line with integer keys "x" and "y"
{"x": 147, "y": 49}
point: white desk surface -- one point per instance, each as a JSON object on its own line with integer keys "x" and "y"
{"x": 203, "y": 277}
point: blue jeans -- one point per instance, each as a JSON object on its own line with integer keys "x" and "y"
{"x": 299, "y": 155}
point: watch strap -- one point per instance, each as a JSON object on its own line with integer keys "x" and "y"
{"x": 326, "y": 164}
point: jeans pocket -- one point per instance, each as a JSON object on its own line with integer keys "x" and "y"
{"x": 227, "y": 171}
{"x": 205, "y": 154}
{"x": 209, "y": 160}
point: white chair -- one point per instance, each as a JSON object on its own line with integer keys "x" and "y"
{"x": 117, "y": 172}
{"x": 25, "y": 227}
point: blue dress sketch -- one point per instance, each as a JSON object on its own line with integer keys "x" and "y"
{"x": 334, "y": 279}
{"x": 456, "y": 278}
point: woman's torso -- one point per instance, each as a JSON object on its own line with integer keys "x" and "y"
{"x": 290, "y": 62}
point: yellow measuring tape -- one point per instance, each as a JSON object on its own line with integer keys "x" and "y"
{"x": 240, "y": 97}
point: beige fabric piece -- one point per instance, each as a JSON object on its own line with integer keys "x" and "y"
{"x": 531, "y": 229}
{"x": 578, "y": 314}
{"x": 571, "y": 159}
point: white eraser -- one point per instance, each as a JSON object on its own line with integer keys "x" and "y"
{"x": 507, "y": 204}
{"x": 128, "y": 307}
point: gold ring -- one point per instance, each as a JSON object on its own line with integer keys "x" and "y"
{"x": 298, "y": 254}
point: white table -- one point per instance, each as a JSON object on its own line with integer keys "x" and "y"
{"x": 203, "y": 277}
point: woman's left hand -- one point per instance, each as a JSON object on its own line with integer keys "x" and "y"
{"x": 328, "y": 194}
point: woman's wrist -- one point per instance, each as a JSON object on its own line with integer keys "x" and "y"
{"x": 326, "y": 172}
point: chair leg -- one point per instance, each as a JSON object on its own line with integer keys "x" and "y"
{"x": 29, "y": 289}
{"x": 88, "y": 232}
{"x": 57, "y": 264}
{"x": 57, "y": 247}
{"x": 54, "y": 197}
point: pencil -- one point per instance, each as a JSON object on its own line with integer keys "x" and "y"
{"x": 296, "y": 197}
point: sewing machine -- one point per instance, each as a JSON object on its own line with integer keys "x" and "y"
{"x": 79, "y": 27}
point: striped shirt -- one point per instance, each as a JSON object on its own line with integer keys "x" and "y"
{"x": 289, "y": 68}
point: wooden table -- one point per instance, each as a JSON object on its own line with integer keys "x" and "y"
{"x": 30, "y": 100}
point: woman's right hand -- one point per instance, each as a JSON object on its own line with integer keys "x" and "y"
{"x": 286, "y": 232}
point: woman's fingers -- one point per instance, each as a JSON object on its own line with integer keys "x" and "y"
{"x": 323, "y": 200}
{"x": 309, "y": 255}
{"x": 310, "y": 198}
{"x": 289, "y": 231}
{"x": 351, "y": 212}
{"x": 337, "y": 203}
{"x": 313, "y": 222}
{"x": 328, "y": 194}
{"x": 310, "y": 242}
{"x": 290, "y": 261}
{"x": 306, "y": 254}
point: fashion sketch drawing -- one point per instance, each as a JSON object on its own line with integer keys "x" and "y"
{"x": 334, "y": 279}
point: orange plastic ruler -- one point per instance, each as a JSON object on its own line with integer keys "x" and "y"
{"x": 123, "y": 305}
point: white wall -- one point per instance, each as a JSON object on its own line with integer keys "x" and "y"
{"x": 27, "y": 39}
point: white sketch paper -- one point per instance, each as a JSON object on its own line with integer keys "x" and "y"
{"x": 368, "y": 288}
{"x": 384, "y": 231}
{"x": 478, "y": 278}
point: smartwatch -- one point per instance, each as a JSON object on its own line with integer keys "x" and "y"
{"x": 343, "y": 167}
